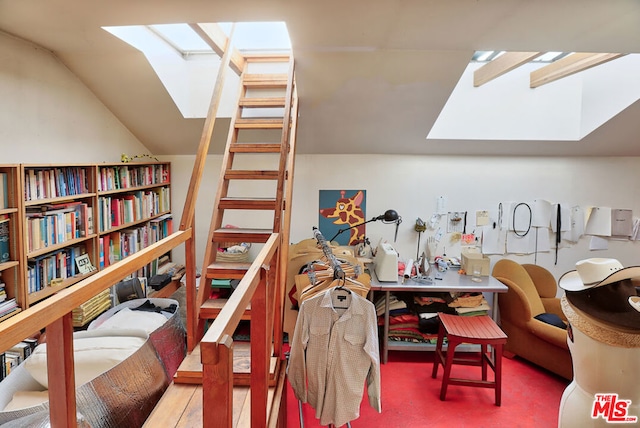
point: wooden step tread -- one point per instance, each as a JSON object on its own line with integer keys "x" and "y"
{"x": 263, "y": 57}
{"x": 262, "y": 102}
{"x": 247, "y": 203}
{"x": 212, "y": 307}
{"x": 259, "y": 123}
{"x": 274, "y": 80}
{"x": 237, "y": 174}
{"x": 255, "y": 148}
{"x": 190, "y": 370}
{"x": 227, "y": 270}
{"x": 241, "y": 235}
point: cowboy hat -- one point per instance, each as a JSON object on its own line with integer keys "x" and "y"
{"x": 596, "y": 272}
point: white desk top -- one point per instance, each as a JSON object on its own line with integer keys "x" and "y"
{"x": 450, "y": 280}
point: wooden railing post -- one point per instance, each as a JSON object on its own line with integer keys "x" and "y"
{"x": 260, "y": 350}
{"x": 191, "y": 293}
{"x": 217, "y": 383}
{"x": 60, "y": 373}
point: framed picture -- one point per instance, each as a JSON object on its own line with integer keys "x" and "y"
{"x": 340, "y": 210}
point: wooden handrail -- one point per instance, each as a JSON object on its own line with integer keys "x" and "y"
{"x": 37, "y": 317}
{"x": 216, "y": 347}
{"x": 231, "y": 313}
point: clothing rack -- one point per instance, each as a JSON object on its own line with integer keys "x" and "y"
{"x": 338, "y": 273}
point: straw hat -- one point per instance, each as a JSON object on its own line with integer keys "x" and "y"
{"x": 596, "y": 272}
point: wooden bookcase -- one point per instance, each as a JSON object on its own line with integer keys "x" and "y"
{"x": 61, "y": 215}
{"x": 11, "y": 267}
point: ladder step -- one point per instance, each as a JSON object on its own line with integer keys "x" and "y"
{"x": 259, "y": 123}
{"x": 262, "y": 102}
{"x": 265, "y": 80}
{"x": 212, "y": 307}
{"x": 242, "y": 235}
{"x": 226, "y": 270}
{"x": 261, "y": 57}
{"x": 190, "y": 370}
{"x": 247, "y": 203}
{"x": 254, "y": 148}
{"x": 237, "y": 174}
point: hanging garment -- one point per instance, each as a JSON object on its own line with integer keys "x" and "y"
{"x": 333, "y": 353}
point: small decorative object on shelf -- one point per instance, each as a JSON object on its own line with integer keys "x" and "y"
{"x": 126, "y": 159}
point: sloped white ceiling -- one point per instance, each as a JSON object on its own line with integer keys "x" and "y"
{"x": 373, "y": 76}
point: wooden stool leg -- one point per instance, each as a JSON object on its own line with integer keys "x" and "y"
{"x": 437, "y": 358}
{"x": 483, "y": 361}
{"x": 498, "y": 372}
{"x": 451, "y": 350}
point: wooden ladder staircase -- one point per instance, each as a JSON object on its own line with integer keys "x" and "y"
{"x": 254, "y": 194}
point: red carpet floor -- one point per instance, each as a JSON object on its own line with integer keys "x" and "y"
{"x": 411, "y": 398}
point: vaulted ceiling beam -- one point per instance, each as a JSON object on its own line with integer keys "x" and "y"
{"x": 501, "y": 65}
{"x": 217, "y": 40}
{"x": 569, "y": 65}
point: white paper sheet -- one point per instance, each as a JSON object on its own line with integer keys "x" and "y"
{"x": 543, "y": 240}
{"x": 493, "y": 239}
{"x": 577, "y": 225}
{"x": 598, "y": 221}
{"x": 541, "y": 213}
{"x": 621, "y": 223}
{"x": 521, "y": 244}
{"x": 598, "y": 243}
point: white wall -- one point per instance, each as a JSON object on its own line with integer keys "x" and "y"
{"x": 48, "y": 115}
{"x": 411, "y": 185}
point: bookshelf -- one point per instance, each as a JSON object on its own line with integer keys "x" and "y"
{"x": 67, "y": 222}
{"x": 11, "y": 250}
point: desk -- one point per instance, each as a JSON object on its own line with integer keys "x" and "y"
{"x": 450, "y": 281}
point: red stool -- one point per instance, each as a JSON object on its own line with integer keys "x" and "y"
{"x": 481, "y": 330}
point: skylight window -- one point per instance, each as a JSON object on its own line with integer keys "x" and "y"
{"x": 186, "y": 64}
{"x": 181, "y": 37}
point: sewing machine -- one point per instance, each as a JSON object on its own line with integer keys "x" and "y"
{"x": 385, "y": 263}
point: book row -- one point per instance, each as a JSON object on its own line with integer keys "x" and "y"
{"x": 117, "y": 245}
{"x": 4, "y": 191}
{"x": 42, "y": 183}
{"x": 129, "y": 208}
{"x": 14, "y": 356}
{"x": 49, "y": 225}
{"x": 5, "y": 237}
{"x": 128, "y": 176}
{"x": 54, "y": 268}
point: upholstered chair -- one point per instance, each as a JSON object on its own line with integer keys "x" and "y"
{"x": 528, "y": 312}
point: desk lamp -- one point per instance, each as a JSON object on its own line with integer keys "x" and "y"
{"x": 389, "y": 216}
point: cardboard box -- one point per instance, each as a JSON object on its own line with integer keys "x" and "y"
{"x": 471, "y": 259}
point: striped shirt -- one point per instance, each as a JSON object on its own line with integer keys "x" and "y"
{"x": 333, "y": 353}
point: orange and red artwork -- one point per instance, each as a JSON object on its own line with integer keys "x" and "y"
{"x": 340, "y": 209}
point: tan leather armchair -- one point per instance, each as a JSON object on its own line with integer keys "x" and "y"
{"x": 532, "y": 291}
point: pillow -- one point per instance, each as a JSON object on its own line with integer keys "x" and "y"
{"x": 92, "y": 357}
{"x": 126, "y": 318}
{"x": 26, "y": 399}
{"x": 552, "y": 319}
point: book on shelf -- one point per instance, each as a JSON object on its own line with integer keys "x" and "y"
{"x": 5, "y": 247}
{"x": 22, "y": 349}
{"x": 4, "y": 191}
{"x": 8, "y": 306}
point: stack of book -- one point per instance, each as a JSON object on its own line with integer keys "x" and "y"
{"x": 8, "y": 307}
{"x": 90, "y": 309}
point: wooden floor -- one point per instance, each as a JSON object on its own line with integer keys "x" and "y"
{"x": 181, "y": 406}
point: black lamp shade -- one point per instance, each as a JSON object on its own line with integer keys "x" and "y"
{"x": 389, "y": 216}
